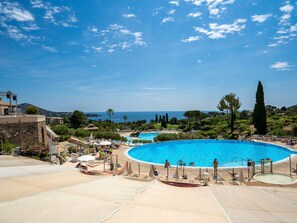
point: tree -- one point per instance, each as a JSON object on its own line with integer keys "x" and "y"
{"x": 31, "y": 110}
{"x": 194, "y": 115}
{"x": 231, "y": 104}
{"x": 259, "y": 115}
{"x": 156, "y": 118}
{"x": 163, "y": 122}
{"x": 167, "y": 118}
{"x": 125, "y": 118}
{"x": 160, "y": 119}
{"x": 77, "y": 119}
{"x": 110, "y": 112}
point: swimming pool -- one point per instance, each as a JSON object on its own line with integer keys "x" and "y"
{"x": 230, "y": 153}
{"x": 144, "y": 136}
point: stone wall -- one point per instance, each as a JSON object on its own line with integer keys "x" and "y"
{"x": 23, "y": 130}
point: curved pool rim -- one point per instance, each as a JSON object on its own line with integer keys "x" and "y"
{"x": 256, "y": 177}
{"x": 220, "y": 167}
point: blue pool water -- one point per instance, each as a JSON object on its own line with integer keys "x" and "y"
{"x": 145, "y": 136}
{"x": 203, "y": 152}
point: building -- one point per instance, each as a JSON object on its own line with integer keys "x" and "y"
{"x": 6, "y": 107}
{"x": 54, "y": 120}
{"x": 23, "y": 129}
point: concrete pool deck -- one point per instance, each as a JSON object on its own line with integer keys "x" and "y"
{"x": 50, "y": 193}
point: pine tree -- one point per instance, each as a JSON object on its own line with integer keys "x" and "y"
{"x": 167, "y": 118}
{"x": 156, "y": 118}
{"x": 259, "y": 115}
{"x": 163, "y": 122}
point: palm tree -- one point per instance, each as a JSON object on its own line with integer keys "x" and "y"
{"x": 110, "y": 112}
{"x": 125, "y": 118}
{"x": 230, "y": 103}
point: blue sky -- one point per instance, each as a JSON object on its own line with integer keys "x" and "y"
{"x": 137, "y": 55}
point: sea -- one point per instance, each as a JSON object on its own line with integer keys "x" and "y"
{"x": 136, "y": 116}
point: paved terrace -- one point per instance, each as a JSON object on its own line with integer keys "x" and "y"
{"x": 38, "y": 192}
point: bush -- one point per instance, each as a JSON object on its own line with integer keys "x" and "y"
{"x": 81, "y": 133}
{"x": 64, "y": 138}
{"x": 8, "y": 148}
{"x": 134, "y": 134}
{"x": 141, "y": 141}
{"x": 35, "y": 151}
{"x": 231, "y": 136}
{"x": 278, "y": 132}
{"x": 294, "y": 130}
{"x": 212, "y": 134}
{"x": 71, "y": 149}
{"x": 61, "y": 129}
{"x": 166, "y": 137}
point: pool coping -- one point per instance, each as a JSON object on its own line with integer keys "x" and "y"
{"x": 211, "y": 167}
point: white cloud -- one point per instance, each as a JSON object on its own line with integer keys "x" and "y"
{"x": 114, "y": 37}
{"x": 191, "y": 39}
{"x": 261, "y": 18}
{"x": 214, "y": 11}
{"x": 14, "y": 11}
{"x": 157, "y": 11}
{"x": 167, "y": 19}
{"x": 281, "y": 66}
{"x": 57, "y": 15}
{"x": 131, "y": 15}
{"x": 110, "y": 50}
{"x": 171, "y": 12}
{"x": 199, "y": 61}
{"x": 287, "y": 8}
{"x": 293, "y": 28}
{"x": 176, "y": 3}
{"x": 50, "y": 49}
{"x": 215, "y": 7}
{"x": 97, "y": 49}
{"x": 216, "y": 31}
{"x": 16, "y": 33}
{"x": 194, "y": 14}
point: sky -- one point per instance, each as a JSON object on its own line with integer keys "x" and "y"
{"x": 148, "y": 55}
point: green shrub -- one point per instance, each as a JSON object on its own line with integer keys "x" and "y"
{"x": 61, "y": 129}
{"x": 294, "y": 130}
{"x": 212, "y": 134}
{"x": 36, "y": 151}
{"x": 71, "y": 149}
{"x": 278, "y": 132}
{"x": 8, "y": 148}
{"x": 141, "y": 141}
{"x": 81, "y": 133}
{"x": 166, "y": 137}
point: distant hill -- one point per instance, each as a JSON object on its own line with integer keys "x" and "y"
{"x": 42, "y": 111}
{"x": 292, "y": 109}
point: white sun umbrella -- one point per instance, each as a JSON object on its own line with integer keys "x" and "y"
{"x": 176, "y": 175}
{"x": 241, "y": 177}
{"x": 151, "y": 173}
{"x": 105, "y": 143}
{"x": 86, "y": 158}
